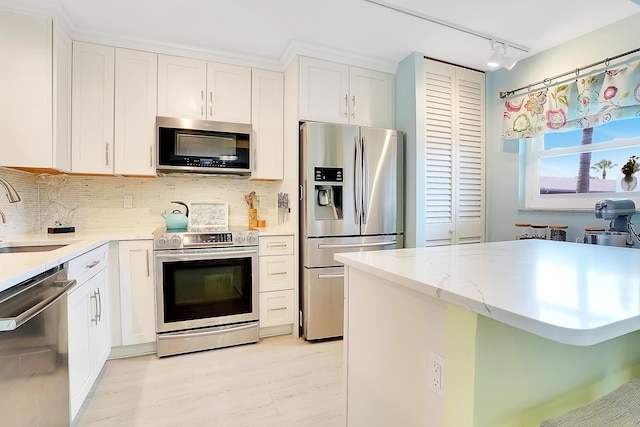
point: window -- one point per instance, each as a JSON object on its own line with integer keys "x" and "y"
{"x": 563, "y": 173}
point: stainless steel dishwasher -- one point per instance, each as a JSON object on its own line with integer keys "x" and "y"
{"x": 34, "y": 380}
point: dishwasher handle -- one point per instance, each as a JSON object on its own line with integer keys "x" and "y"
{"x": 12, "y": 323}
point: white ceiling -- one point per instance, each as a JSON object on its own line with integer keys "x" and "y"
{"x": 269, "y": 31}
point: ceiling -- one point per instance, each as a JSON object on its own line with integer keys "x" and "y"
{"x": 269, "y": 31}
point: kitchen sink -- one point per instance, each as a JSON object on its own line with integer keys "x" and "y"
{"x": 12, "y": 248}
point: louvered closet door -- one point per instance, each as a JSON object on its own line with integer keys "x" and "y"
{"x": 454, "y": 155}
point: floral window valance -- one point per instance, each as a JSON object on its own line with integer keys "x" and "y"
{"x": 586, "y": 102}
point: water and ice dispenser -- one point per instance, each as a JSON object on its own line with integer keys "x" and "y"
{"x": 328, "y": 193}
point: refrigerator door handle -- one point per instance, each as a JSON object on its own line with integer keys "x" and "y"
{"x": 330, "y": 276}
{"x": 357, "y": 179}
{"x": 355, "y": 245}
{"x": 365, "y": 182}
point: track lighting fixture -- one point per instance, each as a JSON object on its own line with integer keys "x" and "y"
{"x": 499, "y": 57}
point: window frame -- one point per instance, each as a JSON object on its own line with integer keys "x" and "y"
{"x": 532, "y": 150}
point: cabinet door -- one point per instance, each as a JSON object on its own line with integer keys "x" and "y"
{"x": 324, "y": 91}
{"x": 62, "y": 65}
{"x": 80, "y": 314}
{"x": 454, "y": 159}
{"x": 135, "y": 112}
{"x": 267, "y": 115}
{"x": 100, "y": 337}
{"x": 276, "y": 273}
{"x": 92, "y": 109}
{"x": 137, "y": 292}
{"x": 181, "y": 87}
{"x": 25, "y": 90}
{"x": 228, "y": 93}
{"x": 276, "y": 308}
{"x": 371, "y": 98}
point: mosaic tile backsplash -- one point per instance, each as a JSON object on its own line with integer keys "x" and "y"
{"x": 98, "y": 203}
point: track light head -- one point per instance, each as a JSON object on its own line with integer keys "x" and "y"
{"x": 508, "y": 62}
{"x": 496, "y": 56}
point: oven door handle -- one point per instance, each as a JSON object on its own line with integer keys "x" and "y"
{"x": 206, "y": 255}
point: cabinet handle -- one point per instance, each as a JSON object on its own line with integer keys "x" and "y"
{"x": 280, "y": 273}
{"x": 211, "y": 104}
{"x": 106, "y": 152}
{"x": 353, "y": 110}
{"x": 148, "y": 269}
{"x": 346, "y": 105}
{"x": 151, "y": 156}
{"x": 93, "y": 264}
{"x": 202, "y": 103}
{"x": 94, "y": 317}
{"x": 276, "y": 245}
{"x": 278, "y": 309}
{"x": 99, "y": 303}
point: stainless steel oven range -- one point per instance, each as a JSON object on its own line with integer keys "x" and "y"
{"x": 206, "y": 289}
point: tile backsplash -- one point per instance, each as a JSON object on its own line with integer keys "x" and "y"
{"x": 94, "y": 203}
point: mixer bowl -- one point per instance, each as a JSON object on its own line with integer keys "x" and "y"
{"x": 608, "y": 238}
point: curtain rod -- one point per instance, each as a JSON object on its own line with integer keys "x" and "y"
{"x": 576, "y": 71}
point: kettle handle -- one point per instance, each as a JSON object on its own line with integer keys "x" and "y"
{"x": 186, "y": 207}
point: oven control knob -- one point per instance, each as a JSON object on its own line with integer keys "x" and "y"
{"x": 175, "y": 241}
{"x": 240, "y": 238}
{"x": 162, "y": 241}
{"x": 251, "y": 238}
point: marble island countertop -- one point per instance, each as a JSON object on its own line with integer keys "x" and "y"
{"x": 571, "y": 293}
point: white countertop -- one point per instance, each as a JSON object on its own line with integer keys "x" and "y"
{"x": 17, "y": 267}
{"x": 568, "y": 292}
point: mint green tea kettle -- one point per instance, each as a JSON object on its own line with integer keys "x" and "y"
{"x": 177, "y": 220}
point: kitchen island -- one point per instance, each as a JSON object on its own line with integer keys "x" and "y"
{"x": 523, "y": 330}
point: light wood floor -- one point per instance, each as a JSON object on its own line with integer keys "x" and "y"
{"x": 281, "y": 381}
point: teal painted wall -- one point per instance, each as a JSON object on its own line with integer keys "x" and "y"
{"x": 502, "y": 157}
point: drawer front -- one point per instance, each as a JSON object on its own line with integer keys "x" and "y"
{"x": 276, "y": 245}
{"x": 276, "y": 273}
{"x": 85, "y": 266}
{"x": 276, "y": 308}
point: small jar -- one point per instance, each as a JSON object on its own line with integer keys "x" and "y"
{"x": 539, "y": 231}
{"x": 558, "y": 233}
{"x": 523, "y": 231}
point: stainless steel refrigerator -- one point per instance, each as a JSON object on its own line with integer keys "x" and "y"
{"x": 351, "y": 200}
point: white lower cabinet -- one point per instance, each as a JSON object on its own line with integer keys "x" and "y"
{"x": 137, "y": 293}
{"x": 132, "y": 298}
{"x": 276, "y": 285}
{"x": 88, "y": 323}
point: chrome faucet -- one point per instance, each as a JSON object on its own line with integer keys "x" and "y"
{"x": 12, "y": 194}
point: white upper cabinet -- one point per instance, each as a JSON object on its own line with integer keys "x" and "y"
{"x": 62, "y": 65}
{"x": 228, "y": 93}
{"x": 194, "y": 89}
{"x": 114, "y": 109}
{"x": 93, "y": 108}
{"x": 35, "y": 90}
{"x": 324, "y": 91}
{"x": 372, "y": 98}
{"x": 135, "y": 112}
{"x": 337, "y": 93}
{"x": 268, "y": 124}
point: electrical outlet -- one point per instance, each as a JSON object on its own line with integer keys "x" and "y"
{"x": 128, "y": 201}
{"x": 436, "y": 367}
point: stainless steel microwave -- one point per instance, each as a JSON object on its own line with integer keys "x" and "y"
{"x": 199, "y": 146}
